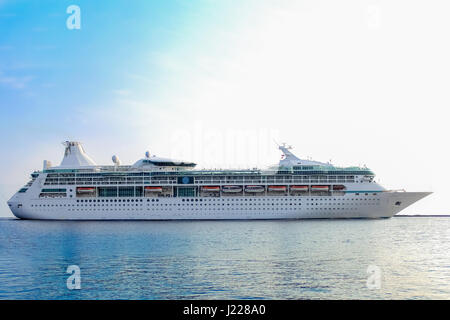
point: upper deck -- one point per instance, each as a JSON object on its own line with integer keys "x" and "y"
{"x": 58, "y": 177}
{"x": 78, "y": 169}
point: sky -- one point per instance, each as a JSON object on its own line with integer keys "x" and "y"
{"x": 219, "y": 82}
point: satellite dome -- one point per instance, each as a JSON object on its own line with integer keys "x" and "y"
{"x": 115, "y": 160}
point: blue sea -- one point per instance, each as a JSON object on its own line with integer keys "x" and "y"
{"x": 296, "y": 259}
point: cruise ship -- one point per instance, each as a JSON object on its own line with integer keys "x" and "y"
{"x": 156, "y": 188}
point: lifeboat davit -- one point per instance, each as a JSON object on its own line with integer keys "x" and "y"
{"x": 320, "y": 188}
{"x": 85, "y": 189}
{"x": 299, "y": 188}
{"x": 254, "y": 189}
{"x": 277, "y": 188}
{"x": 338, "y": 187}
{"x": 153, "y": 189}
{"x": 211, "y": 188}
{"x": 232, "y": 189}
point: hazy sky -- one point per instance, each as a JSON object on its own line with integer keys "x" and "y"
{"x": 216, "y": 82}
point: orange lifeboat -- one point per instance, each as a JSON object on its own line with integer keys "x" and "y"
{"x": 277, "y": 188}
{"x": 338, "y": 187}
{"x": 254, "y": 189}
{"x": 320, "y": 188}
{"x": 299, "y": 188}
{"x": 85, "y": 189}
{"x": 211, "y": 188}
{"x": 153, "y": 189}
{"x": 232, "y": 189}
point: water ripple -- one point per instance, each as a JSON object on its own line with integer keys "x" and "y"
{"x": 226, "y": 260}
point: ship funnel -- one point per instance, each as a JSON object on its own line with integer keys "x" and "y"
{"x": 75, "y": 156}
{"x": 147, "y": 154}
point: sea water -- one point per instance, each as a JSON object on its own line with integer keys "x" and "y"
{"x": 397, "y": 258}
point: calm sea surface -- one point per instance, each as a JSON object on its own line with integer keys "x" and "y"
{"x": 326, "y": 259}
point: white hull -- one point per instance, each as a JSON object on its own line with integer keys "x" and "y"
{"x": 372, "y": 205}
